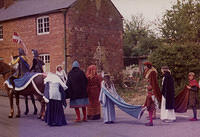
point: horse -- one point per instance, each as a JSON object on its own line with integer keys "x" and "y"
{"x": 35, "y": 87}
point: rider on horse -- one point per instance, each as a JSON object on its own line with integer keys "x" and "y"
{"x": 37, "y": 63}
{"x": 22, "y": 66}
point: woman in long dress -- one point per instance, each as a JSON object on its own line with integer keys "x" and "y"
{"x": 168, "y": 99}
{"x": 93, "y": 89}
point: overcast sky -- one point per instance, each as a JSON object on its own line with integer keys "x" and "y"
{"x": 151, "y": 9}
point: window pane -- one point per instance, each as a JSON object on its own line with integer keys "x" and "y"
{"x": 43, "y": 25}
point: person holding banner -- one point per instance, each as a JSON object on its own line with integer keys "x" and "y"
{"x": 109, "y": 98}
{"x": 107, "y": 104}
{"x": 22, "y": 66}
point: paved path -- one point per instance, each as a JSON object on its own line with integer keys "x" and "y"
{"x": 125, "y": 126}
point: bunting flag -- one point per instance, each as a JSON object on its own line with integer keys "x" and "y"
{"x": 18, "y": 40}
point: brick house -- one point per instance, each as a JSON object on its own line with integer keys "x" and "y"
{"x": 62, "y": 31}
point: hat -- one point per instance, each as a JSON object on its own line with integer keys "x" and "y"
{"x": 21, "y": 52}
{"x": 75, "y": 64}
{"x": 191, "y": 74}
{"x": 147, "y": 63}
{"x": 35, "y": 52}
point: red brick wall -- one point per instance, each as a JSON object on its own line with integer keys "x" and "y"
{"x": 90, "y": 25}
{"x": 51, "y": 43}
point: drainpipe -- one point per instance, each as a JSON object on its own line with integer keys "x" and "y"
{"x": 65, "y": 40}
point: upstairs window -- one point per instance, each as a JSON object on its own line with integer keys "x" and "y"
{"x": 43, "y": 25}
{"x": 1, "y": 32}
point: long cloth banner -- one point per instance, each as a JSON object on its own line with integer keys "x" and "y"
{"x": 133, "y": 110}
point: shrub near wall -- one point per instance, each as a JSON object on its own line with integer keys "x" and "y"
{"x": 181, "y": 59}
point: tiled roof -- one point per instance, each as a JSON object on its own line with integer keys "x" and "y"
{"x": 23, "y": 8}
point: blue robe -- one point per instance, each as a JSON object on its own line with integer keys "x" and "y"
{"x": 108, "y": 107}
{"x": 54, "y": 96}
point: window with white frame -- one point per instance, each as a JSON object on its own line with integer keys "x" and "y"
{"x": 43, "y": 25}
{"x": 46, "y": 59}
{"x": 1, "y": 32}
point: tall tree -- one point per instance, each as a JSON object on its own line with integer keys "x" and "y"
{"x": 181, "y": 24}
{"x": 138, "y": 38}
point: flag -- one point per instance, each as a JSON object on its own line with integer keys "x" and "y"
{"x": 18, "y": 40}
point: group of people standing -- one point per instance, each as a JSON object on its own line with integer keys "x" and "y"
{"x": 82, "y": 89}
{"x": 85, "y": 92}
{"x": 166, "y": 97}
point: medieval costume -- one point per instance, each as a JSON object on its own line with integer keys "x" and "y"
{"x": 93, "y": 90}
{"x": 21, "y": 66}
{"x": 61, "y": 73}
{"x": 77, "y": 88}
{"x": 150, "y": 105}
{"x": 37, "y": 63}
{"x": 167, "y": 105}
{"x": 108, "y": 98}
{"x": 54, "y": 96}
{"x": 188, "y": 97}
{"x": 150, "y": 74}
{"x": 107, "y": 104}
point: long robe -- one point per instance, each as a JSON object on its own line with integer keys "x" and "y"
{"x": 167, "y": 104}
{"x": 151, "y": 75}
{"x": 93, "y": 89}
{"x": 54, "y": 96}
{"x": 107, "y": 105}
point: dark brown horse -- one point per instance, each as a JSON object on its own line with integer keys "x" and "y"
{"x": 35, "y": 87}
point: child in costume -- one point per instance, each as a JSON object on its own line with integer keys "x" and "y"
{"x": 193, "y": 94}
{"x": 150, "y": 105}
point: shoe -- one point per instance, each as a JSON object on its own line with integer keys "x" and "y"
{"x": 149, "y": 124}
{"x": 84, "y": 120}
{"x": 112, "y": 122}
{"x": 193, "y": 119}
{"x": 107, "y": 122}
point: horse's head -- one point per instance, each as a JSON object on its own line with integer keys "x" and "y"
{"x": 6, "y": 70}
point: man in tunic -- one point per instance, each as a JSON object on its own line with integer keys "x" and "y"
{"x": 168, "y": 99}
{"x": 77, "y": 88}
{"x": 150, "y": 74}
